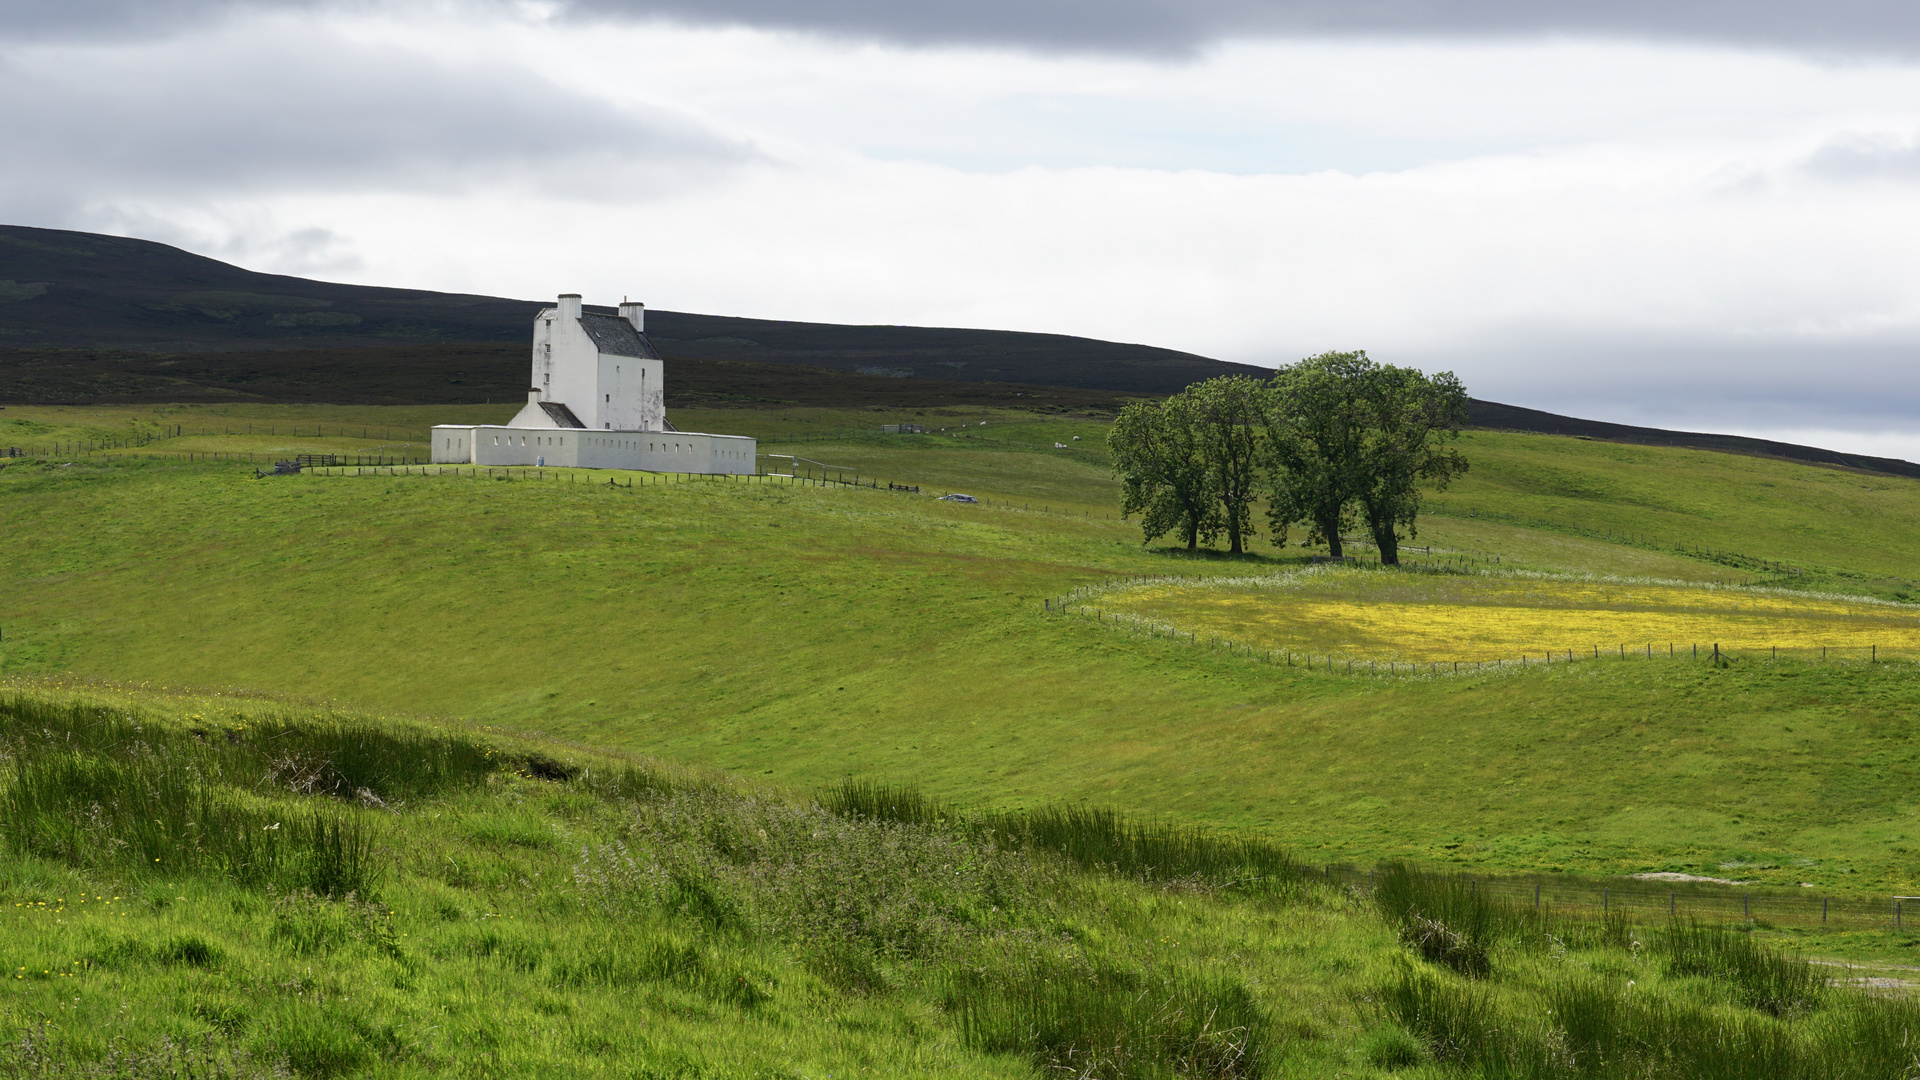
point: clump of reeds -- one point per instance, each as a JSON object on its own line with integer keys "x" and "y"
{"x": 1094, "y": 838}
{"x": 375, "y": 764}
{"x": 1113, "y": 1023}
{"x": 1457, "y": 1021}
{"x": 103, "y": 789}
{"x": 1789, "y": 1026}
{"x": 868, "y": 801}
{"x": 1156, "y": 852}
{"x": 1762, "y": 978}
{"x": 1448, "y": 919}
{"x": 156, "y": 812}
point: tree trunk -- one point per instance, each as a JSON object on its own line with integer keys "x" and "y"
{"x": 1332, "y": 531}
{"x": 1388, "y": 542}
{"x": 1193, "y": 538}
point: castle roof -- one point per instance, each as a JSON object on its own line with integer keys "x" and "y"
{"x": 615, "y": 336}
{"x": 561, "y": 415}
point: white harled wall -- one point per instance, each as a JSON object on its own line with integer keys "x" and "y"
{"x": 649, "y": 451}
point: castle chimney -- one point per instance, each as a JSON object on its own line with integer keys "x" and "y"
{"x": 634, "y": 312}
{"x": 569, "y": 308}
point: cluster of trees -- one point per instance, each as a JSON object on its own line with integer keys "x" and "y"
{"x": 1331, "y": 442}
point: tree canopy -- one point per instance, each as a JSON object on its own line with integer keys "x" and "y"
{"x": 1163, "y": 475}
{"x": 1330, "y": 442}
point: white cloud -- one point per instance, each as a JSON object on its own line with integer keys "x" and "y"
{"x": 1634, "y": 232}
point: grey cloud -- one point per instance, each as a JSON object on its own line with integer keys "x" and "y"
{"x": 119, "y": 19}
{"x": 1176, "y": 26}
{"x": 1866, "y": 159}
{"x": 1874, "y": 27}
{"x": 1699, "y": 383}
{"x": 255, "y": 114}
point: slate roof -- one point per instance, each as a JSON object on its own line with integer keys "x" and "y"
{"x": 563, "y": 416}
{"x": 616, "y": 336}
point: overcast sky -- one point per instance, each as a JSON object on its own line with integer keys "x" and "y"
{"x": 1695, "y": 213}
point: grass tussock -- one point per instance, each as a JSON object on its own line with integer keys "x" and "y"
{"x": 1512, "y": 992}
{"x": 1762, "y": 978}
{"x": 1581, "y": 1027}
{"x": 156, "y": 804}
{"x": 1094, "y": 1022}
{"x": 1448, "y": 919}
{"x": 1093, "y": 838}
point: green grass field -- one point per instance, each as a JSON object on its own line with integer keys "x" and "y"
{"x": 223, "y": 886}
{"x": 802, "y": 634}
{"x": 772, "y": 638}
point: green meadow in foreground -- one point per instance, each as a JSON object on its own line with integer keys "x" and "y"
{"x": 219, "y": 886}
{"x": 803, "y": 633}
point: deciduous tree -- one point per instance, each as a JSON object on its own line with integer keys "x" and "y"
{"x": 1231, "y": 413}
{"x": 1315, "y": 432}
{"x": 1163, "y": 472}
{"x": 1409, "y": 419}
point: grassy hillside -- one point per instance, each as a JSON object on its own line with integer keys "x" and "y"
{"x": 1840, "y": 528}
{"x": 803, "y": 634}
{"x": 220, "y": 886}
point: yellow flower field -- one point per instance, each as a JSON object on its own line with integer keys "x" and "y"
{"x": 1441, "y": 617}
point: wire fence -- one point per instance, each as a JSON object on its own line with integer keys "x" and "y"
{"x": 586, "y": 477}
{"x": 1718, "y": 654}
{"x": 1646, "y": 900}
{"x": 138, "y": 440}
{"x": 235, "y": 457}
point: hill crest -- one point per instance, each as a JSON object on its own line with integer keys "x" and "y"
{"x": 74, "y": 290}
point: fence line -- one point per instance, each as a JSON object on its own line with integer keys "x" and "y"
{"x": 573, "y": 475}
{"x": 84, "y": 447}
{"x": 1646, "y": 901}
{"x": 1344, "y": 664}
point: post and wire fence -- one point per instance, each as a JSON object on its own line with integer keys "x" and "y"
{"x": 1649, "y": 899}
{"x": 1077, "y": 603}
{"x": 140, "y": 440}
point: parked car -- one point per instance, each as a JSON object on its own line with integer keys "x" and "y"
{"x": 958, "y": 498}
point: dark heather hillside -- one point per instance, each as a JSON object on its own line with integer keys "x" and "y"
{"x": 471, "y": 373}
{"x": 82, "y": 291}
{"x": 1492, "y": 414}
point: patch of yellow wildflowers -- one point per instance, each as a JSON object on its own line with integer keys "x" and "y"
{"x": 1368, "y": 614}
